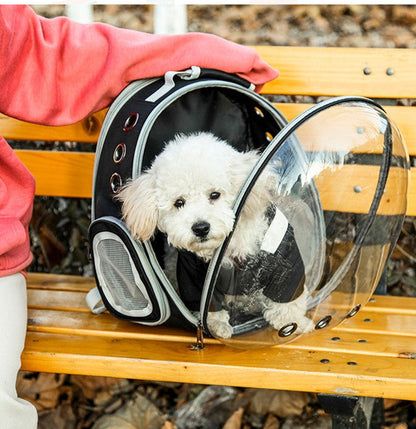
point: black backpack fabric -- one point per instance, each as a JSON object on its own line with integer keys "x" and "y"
{"x": 131, "y": 276}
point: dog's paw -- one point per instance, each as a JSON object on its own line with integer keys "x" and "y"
{"x": 219, "y": 324}
{"x": 305, "y": 325}
{"x": 279, "y": 315}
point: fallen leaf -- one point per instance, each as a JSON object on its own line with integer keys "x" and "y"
{"x": 388, "y": 403}
{"x": 93, "y": 387}
{"x": 279, "y": 402}
{"x": 61, "y": 417}
{"x": 137, "y": 413}
{"x": 272, "y": 422}
{"x": 234, "y": 422}
{"x": 209, "y": 410}
{"x": 42, "y": 389}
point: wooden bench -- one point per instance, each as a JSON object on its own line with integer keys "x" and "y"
{"x": 370, "y": 355}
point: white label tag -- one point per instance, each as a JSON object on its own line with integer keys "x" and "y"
{"x": 275, "y": 233}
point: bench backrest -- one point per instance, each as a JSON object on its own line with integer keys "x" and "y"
{"x": 383, "y": 74}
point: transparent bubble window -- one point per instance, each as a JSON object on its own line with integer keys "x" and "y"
{"x": 335, "y": 181}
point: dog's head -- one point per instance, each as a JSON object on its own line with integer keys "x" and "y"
{"x": 188, "y": 193}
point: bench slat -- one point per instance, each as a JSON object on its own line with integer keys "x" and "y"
{"x": 398, "y": 327}
{"x": 60, "y": 174}
{"x": 71, "y": 322}
{"x": 279, "y": 367}
{"x": 73, "y": 175}
{"x": 351, "y": 343}
{"x": 86, "y": 130}
{"x": 57, "y": 300}
{"x": 38, "y": 282}
{"x": 403, "y": 117}
{"x": 340, "y": 71}
{"x": 68, "y": 322}
{"x": 17, "y": 130}
{"x": 60, "y": 282}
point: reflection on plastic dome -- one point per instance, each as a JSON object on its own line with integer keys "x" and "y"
{"x": 336, "y": 179}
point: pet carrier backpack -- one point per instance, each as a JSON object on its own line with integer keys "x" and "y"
{"x": 316, "y": 257}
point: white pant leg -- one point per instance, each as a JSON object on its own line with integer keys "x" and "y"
{"x": 15, "y": 413}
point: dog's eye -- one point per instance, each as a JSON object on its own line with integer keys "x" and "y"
{"x": 214, "y": 195}
{"x": 180, "y": 202}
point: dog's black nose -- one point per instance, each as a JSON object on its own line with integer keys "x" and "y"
{"x": 201, "y": 229}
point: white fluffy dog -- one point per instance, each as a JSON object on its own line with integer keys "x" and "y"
{"x": 188, "y": 193}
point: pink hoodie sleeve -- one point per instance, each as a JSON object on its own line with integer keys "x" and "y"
{"x": 17, "y": 188}
{"x": 58, "y": 71}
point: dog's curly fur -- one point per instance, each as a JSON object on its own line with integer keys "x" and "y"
{"x": 188, "y": 193}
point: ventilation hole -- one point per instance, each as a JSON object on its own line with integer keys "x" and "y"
{"x": 324, "y": 361}
{"x": 336, "y": 339}
{"x": 351, "y": 363}
{"x": 116, "y": 183}
{"x": 288, "y": 329}
{"x": 131, "y": 121}
{"x": 259, "y": 112}
{"x": 119, "y": 153}
{"x": 324, "y": 322}
{"x": 354, "y": 311}
{"x": 269, "y": 137}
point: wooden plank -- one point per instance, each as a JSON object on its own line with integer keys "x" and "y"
{"x": 282, "y": 367}
{"x": 81, "y": 284}
{"x": 340, "y": 71}
{"x": 353, "y": 343}
{"x": 386, "y": 334}
{"x": 402, "y": 116}
{"x": 14, "y": 129}
{"x": 60, "y": 282}
{"x": 62, "y": 318}
{"x": 70, "y": 174}
{"x": 60, "y": 174}
{"x": 86, "y": 130}
{"x": 411, "y": 194}
{"x": 57, "y": 300}
{"x": 102, "y": 325}
{"x": 397, "y": 304}
{"x": 337, "y": 189}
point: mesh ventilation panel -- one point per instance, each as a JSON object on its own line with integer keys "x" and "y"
{"x": 115, "y": 267}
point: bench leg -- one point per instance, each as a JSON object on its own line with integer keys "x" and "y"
{"x": 353, "y": 412}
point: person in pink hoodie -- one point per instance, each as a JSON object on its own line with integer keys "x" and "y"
{"x": 56, "y": 72}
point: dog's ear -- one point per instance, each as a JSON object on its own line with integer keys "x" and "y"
{"x": 240, "y": 168}
{"x": 139, "y": 207}
{"x": 260, "y": 196}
